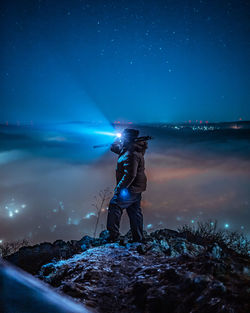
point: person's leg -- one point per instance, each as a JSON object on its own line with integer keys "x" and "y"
{"x": 113, "y": 220}
{"x": 136, "y": 218}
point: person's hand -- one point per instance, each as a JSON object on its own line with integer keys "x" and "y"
{"x": 116, "y": 191}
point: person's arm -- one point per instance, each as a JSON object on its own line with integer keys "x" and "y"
{"x": 116, "y": 147}
{"x": 130, "y": 171}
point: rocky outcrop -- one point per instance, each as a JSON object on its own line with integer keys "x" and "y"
{"x": 31, "y": 258}
{"x": 170, "y": 272}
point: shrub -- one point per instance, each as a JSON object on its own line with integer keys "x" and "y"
{"x": 12, "y": 246}
{"x": 208, "y": 233}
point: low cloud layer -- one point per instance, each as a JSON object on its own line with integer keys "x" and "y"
{"x": 45, "y": 196}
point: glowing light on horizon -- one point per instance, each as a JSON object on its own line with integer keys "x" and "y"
{"x": 226, "y": 225}
{"x": 75, "y": 221}
{"x": 52, "y": 228}
{"x": 90, "y": 214}
{"x": 12, "y": 207}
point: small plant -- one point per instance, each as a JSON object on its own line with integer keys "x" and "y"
{"x": 10, "y": 247}
{"x": 100, "y": 201}
{"x": 208, "y": 233}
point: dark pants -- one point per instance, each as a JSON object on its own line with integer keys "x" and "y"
{"x": 131, "y": 202}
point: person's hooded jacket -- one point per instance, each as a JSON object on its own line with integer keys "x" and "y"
{"x": 130, "y": 166}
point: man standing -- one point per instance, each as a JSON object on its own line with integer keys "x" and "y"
{"x": 131, "y": 182}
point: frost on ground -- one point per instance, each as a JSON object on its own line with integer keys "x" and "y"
{"x": 167, "y": 273}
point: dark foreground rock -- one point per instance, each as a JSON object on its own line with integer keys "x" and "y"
{"x": 168, "y": 273}
{"x": 31, "y": 258}
{"x": 22, "y": 293}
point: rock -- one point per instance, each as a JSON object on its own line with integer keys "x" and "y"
{"x": 164, "y": 234}
{"x": 104, "y": 234}
{"x": 216, "y": 251}
{"x": 165, "y": 246}
{"x": 166, "y": 273}
{"x": 178, "y": 247}
{"x": 171, "y": 275}
{"x": 32, "y": 258}
{"x": 199, "y": 282}
{"x": 246, "y": 270}
{"x": 218, "y": 287}
{"x": 86, "y": 240}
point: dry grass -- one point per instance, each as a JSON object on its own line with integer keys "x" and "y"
{"x": 208, "y": 233}
{"x": 10, "y": 247}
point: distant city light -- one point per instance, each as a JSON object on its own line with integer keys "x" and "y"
{"x": 61, "y": 205}
{"x": 90, "y": 214}
{"x": 242, "y": 227}
{"x": 1, "y": 241}
{"x": 192, "y": 221}
{"x": 226, "y": 225}
{"x": 212, "y": 223}
{"x": 52, "y": 228}
{"x": 75, "y": 221}
{"x": 13, "y": 207}
{"x": 149, "y": 226}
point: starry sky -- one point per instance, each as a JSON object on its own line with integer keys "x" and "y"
{"x": 129, "y": 60}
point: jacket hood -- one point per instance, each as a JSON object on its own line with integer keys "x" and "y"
{"x": 139, "y": 146}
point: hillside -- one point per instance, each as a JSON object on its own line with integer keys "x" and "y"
{"x": 171, "y": 272}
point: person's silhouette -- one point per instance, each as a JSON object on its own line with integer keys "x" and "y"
{"x": 131, "y": 182}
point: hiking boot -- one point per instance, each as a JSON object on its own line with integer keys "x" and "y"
{"x": 123, "y": 241}
{"x": 111, "y": 239}
{"x": 143, "y": 240}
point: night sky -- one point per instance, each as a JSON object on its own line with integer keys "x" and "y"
{"x": 140, "y": 61}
